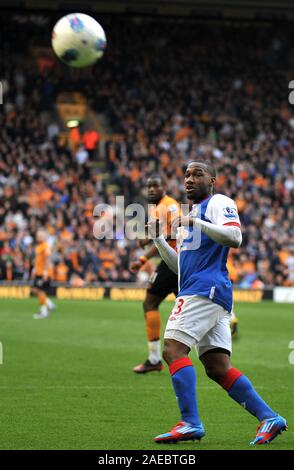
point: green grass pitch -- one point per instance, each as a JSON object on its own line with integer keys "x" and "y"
{"x": 67, "y": 382}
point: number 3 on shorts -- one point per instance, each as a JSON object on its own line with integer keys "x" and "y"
{"x": 179, "y": 307}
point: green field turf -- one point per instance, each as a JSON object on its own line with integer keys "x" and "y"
{"x": 67, "y": 382}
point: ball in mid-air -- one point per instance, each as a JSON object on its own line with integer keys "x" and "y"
{"x": 78, "y": 40}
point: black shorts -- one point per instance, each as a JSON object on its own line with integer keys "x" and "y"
{"x": 163, "y": 281}
{"x": 39, "y": 283}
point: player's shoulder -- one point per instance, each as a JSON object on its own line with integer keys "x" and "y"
{"x": 221, "y": 200}
{"x": 169, "y": 202}
{"x": 222, "y": 209}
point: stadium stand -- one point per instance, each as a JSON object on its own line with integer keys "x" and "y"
{"x": 186, "y": 90}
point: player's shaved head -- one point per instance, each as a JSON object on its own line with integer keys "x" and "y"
{"x": 206, "y": 165}
{"x": 157, "y": 177}
{"x": 200, "y": 177}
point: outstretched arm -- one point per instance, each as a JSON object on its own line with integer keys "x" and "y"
{"x": 226, "y": 235}
{"x": 167, "y": 253}
{"x": 136, "y": 265}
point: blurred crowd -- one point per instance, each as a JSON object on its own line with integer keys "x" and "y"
{"x": 172, "y": 92}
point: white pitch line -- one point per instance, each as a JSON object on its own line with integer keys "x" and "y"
{"x": 99, "y": 387}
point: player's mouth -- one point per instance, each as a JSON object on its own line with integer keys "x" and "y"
{"x": 189, "y": 189}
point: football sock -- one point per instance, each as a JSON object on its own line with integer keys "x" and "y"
{"x": 242, "y": 391}
{"x": 49, "y": 303}
{"x": 154, "y": 351}
{"x": 42, "y": 298}
{"x": 184, "y": 383}
{"x": 44, "y": 310}
{"x": 152, "y": 325}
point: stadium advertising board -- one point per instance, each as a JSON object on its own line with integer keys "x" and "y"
{"x": 137, "y": 293}
{"x": 283, "y": 294}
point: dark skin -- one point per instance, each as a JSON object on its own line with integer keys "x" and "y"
{"x": 198, "y": 182}
{"x": 155, "y": 192}
{"x": 199, "y": 185}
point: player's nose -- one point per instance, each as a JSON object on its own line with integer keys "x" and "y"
{"x": 189, "y": 179}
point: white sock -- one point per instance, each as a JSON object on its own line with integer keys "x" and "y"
{"x": 44, "y": 310}
{"x": 154, "y": 351}
{"x": 49, "y": 303}
{"x": 233, "y": 316}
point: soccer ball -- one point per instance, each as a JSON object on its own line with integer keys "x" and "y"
{"x": 78, "y": 40}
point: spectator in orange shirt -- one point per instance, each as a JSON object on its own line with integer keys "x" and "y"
{"x": 61, "y": 271}
{"x": 75, "y": 137}
{"x": 90, "y": 140}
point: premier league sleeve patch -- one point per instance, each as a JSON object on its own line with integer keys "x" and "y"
{"x": 230, "y": 213}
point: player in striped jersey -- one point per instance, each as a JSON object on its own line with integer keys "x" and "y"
{"x": 40, "y": 275}
{"x": 163, "y": 281}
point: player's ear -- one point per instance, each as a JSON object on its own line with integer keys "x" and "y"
{"x": 213, "y": 180}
